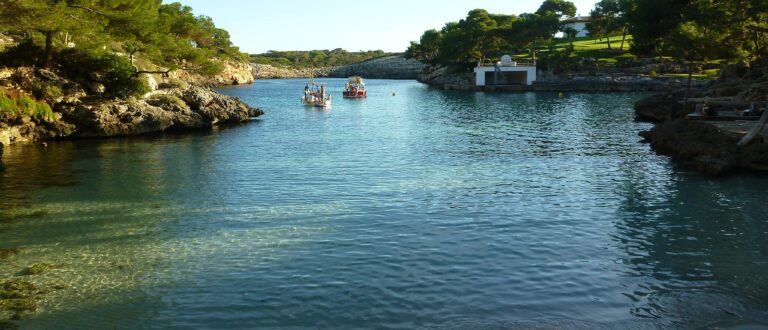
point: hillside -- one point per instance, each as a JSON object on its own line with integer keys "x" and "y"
{"x": 315, "y": 58}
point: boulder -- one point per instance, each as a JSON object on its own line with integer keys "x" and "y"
{"x": 119, "y": 118}
{"x": 217, "y": 108}
{"x": 150, "y": 81}
{"x": 1, "y": 156}
{"x": 97, "y": 87}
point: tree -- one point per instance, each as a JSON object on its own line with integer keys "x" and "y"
{"x": 559, "y": 8}
{"x": 605, "y": 19}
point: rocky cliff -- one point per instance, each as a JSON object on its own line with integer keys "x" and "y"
{"x": 264, "y": 71}
{"x": 391, "y": 67}
{"x": 233, "y": 73}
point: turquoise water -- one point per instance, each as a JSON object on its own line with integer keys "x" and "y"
{"x": 414, "y": 208}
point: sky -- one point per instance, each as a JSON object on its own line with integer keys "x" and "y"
{"x": 257, "y": 26}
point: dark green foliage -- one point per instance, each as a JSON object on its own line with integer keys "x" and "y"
{"x": 26, "y": 53}
{"x": 699, "y": 29}
{"x": 114, "y": 71}
{"x": 482, "y": 35}
{"x": 169, "y": 35}
{"x": 315, "y": 58}
{"x": 46, "y": 91}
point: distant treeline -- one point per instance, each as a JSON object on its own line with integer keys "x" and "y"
{"x": 316, "y": 58}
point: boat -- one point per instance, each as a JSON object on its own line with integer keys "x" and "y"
{"x": 355, "y": 88}
{"x": 315, "y": 95}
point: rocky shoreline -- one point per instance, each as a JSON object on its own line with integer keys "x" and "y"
{"x": 171, "y": 105}
{"x": 709, "y": 144}
{"x": 440, "y": 77}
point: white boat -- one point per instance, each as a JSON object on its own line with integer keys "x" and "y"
{"x": 355, "y": 88}
{"x": 315, "y": 95}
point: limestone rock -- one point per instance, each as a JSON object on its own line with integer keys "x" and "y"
{"x": 150, "y": 81}
{"x": 265, "y": 71}
{"x": 119, "y": 118}
{"x": 177, "y": 109}
{"x": 232, "y": 73}
{"x": 96, "y": 87}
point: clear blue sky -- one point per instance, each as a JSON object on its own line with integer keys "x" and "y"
{"x": 261, "y": 25}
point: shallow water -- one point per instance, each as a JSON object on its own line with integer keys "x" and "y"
{"x": 414, "y": 208}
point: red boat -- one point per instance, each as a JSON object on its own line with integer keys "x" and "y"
{"x": 355, "y": 88}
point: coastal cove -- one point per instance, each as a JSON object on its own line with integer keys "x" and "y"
{"x": 415, "y": 207}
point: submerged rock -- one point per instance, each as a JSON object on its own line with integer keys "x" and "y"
{"x": 38, "y": 269}
{"x": 5, "y": 253}
{"x": 16, "y": 289}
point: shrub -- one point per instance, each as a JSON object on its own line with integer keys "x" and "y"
{"x": 166, "y": 100}
{"x": 46, "y": 91}
{"x": 24, "y": 105}
{"x": 118, "y": 73}
{"x": 177, "y": 83}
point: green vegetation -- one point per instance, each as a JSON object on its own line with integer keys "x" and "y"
{"x": 24, "y": 105}
{"x": 315, "y": 58}
{"x": 697, "y": 32}
{"x": 168, "y": 35}
{"x": 482, "y": 35}
{"x": 164, "y": 100}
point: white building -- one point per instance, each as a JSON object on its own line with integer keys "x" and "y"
{"x": 578, "y": 23}
{"x": 505, "y": 72}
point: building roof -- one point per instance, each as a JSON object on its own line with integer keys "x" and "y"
{"x": 577, "y": 19}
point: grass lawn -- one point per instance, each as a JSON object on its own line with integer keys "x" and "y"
{"x": 590, "y": 47}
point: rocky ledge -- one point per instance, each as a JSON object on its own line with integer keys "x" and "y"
{"x": 164, "y": 110}
{"x": 709, "y": 147}
{"x": 79, "y": 114}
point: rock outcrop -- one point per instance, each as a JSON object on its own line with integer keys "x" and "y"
{"x": 390, "y": 67}
{"x": 707, "y": 148}
{"x": 175, "y": 105}
{"x": 710, "y": 146}
{"x": 232, "y": 73}
{"x": 175, "y": 109}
